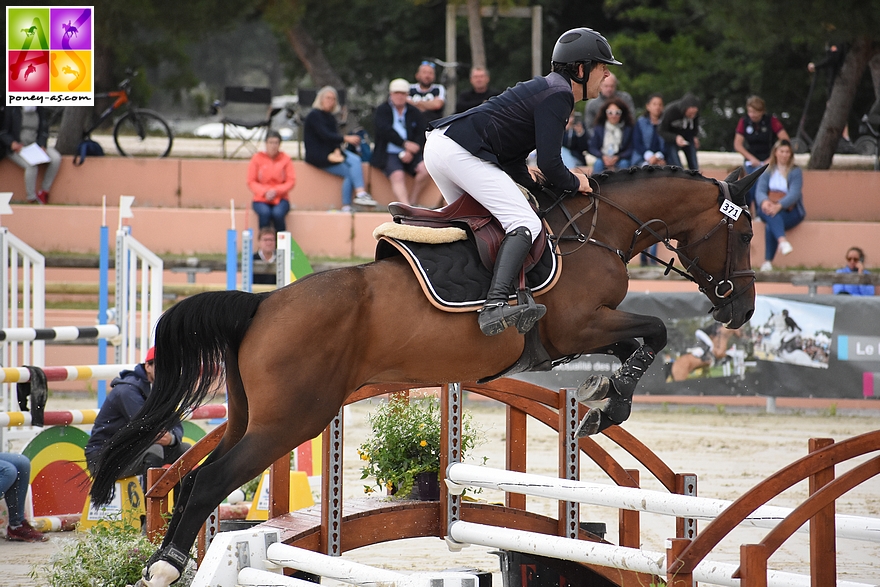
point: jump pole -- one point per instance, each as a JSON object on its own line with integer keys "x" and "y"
{"x": 103, "y": 293}
{"x": 644, "y": 500}
{"x": 231, "y": 249}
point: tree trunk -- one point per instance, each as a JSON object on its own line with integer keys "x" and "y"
{"x": 73, "y": 123}
{"x": 475, "y": 30}
{"x": 313, "y": 58}
{"x": 841, "y": 101}
{"x": 874, "y": 65}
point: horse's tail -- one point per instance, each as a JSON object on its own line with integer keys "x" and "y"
{"x": 192, "y": 339}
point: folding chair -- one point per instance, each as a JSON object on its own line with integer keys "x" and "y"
{"x": 247, "y": 113}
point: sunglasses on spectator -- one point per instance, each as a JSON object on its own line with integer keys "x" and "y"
{"x": 614, "y": 112}
{"x": 853, "y": 259}
{"x": 431, "y": 63}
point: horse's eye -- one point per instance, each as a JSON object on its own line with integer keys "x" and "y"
{"x": 746, "y": 238}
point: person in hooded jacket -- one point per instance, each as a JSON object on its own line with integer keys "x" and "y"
{"x": 128, "y": 394}
{"x": 680, "y": 128}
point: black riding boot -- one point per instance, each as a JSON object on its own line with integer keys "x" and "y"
{"x": 496, "y": 315}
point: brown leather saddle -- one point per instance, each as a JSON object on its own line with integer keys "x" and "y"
{"x": 487, "y": 231}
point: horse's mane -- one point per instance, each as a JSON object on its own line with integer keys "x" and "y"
{"x": 607, "y": 177}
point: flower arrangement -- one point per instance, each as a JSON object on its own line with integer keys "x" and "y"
{"x": 405, "y": 442}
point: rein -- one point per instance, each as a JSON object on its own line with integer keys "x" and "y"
{"x": 723, "y": 290}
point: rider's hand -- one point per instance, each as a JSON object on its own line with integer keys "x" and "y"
{"x": 584, "y": 186}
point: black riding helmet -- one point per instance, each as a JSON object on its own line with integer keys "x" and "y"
{"x": 582, "y": 45}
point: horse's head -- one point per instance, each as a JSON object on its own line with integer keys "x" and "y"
{"x": 716, "y": 252}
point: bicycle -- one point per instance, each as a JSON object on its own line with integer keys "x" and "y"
{"x": 137, "y": 133}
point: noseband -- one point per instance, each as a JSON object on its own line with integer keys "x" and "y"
{"x": 724, "y": 291}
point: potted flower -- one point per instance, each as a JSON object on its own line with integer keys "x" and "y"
{"x": 403, "y": 451}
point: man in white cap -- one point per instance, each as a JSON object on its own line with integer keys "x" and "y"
{"x": 400, "y": 141}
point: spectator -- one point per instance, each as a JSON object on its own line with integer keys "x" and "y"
{"x": 648, "y": 146}
{"x": 425, "y": 95}
{"x": 479, "y": 92}
{"x": 779, "y": 200}
{"x": 680, "y": 128}
{"x": 483, "y": 152}
{"x": 855, "y": 263}
{"x": 575, "y": 141}
{"x": 755, "y": 135}
{"x": 607, "y": 90}
{"x": 265, "y": 255}
{"x": 270, "y": 178}
{"x": 400, "y": 140}
{"x": 128, "y": 394}
{"x": 611, "y": 143}
{"x": 15, "y": 475}
{"x": 24, "y": 126}
{"x": 324, "y": 149}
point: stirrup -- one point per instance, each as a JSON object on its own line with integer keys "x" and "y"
{"x": 532, "y": 313}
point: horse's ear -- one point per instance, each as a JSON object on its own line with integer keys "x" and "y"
{"x": 740, "y": 187}
{"x": 734, "y": 175}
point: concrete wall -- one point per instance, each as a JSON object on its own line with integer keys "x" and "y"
{"x": 191, "y": 183}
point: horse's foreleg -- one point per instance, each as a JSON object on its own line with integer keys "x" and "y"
{"x": 617, "y": 390}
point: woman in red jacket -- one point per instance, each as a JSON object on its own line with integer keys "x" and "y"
{"x": 270, "y": 178}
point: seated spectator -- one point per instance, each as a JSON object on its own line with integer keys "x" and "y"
{"x": 611, "y": 143}
{"x": 779, "y": 201}
{"x": 324, "y": 149}
{"x": 22, "y": 127}
{"x": 400, "y": 142}
{"x": 265, "y": 256}
{"x": 855, "y": 263}
{"x": 127, "y": 396}
{"x": 575, "y": 142}
{"x": 680, "y": 128}
{"x": 15, "y": 476}
{"x": 479, "y": 92}
{"x": 270, "y": 178}
{"x": 755, "y": 135}
{"x": 425, "y": 95}
{"x": 648, "y": 146}
{"x": 607, "y": 90}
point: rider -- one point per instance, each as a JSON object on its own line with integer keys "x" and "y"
{"x": 483, "y": 152}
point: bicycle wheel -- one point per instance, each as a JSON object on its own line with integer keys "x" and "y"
{"x": 142, "y": 133}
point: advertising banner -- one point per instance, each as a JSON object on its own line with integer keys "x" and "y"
{"x": 794, "y": 346}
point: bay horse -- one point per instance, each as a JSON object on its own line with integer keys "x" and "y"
{"x": 292, "y": 356}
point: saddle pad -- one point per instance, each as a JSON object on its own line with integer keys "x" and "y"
{"x": 454, "y": 278}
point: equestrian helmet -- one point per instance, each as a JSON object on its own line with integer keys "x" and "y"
{"x": 583, "y": 45}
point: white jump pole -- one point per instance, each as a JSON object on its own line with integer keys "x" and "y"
{"x": 609, "y": 555}
{"x": 331, "y": 566}
{"x": 461, "y": 475}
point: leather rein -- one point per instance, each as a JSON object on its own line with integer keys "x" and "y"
{"x": 725, "y": 292}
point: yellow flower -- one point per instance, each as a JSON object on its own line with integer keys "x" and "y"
{"x": 423, "y": 443}
{"x": 364, "y": 457}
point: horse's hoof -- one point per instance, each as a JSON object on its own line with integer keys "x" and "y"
{"x": 590, "y": 424}
{"x": 160, "y": 574}
{"x": 595, "y": 388}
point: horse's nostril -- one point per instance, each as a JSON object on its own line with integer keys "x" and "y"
{"x": 749, "y": 315}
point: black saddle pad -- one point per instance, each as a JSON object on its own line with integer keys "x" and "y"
{"x": 452, "y": 275}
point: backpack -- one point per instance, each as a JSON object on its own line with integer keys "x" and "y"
{"x": 87, "y": 147}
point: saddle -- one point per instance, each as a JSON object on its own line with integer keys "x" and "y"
{"x": 452, "y": 252}
{"x": 467, "y": 213}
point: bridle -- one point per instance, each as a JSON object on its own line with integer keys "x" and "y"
{"x": 724, "y": 291}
